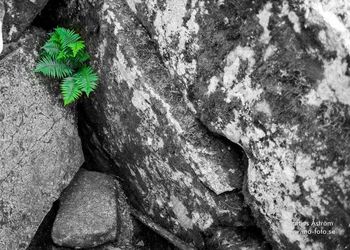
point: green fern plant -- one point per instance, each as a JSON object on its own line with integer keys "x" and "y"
{"x": 64, "y": 57}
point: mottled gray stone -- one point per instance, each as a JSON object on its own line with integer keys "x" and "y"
{"x": 173, "y": 170}
{"x": 40, "y": 149}
{"x": 274, "y": 77}
{"x": 19, "y": 14}
{"x": 89, "y": 214}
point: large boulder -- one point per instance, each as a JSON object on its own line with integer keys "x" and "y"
{"x": 173, "y": 169}
{"x": 18, "y": 15}
{"x": 274, "y": 77}
{"x": 39, "y": 144}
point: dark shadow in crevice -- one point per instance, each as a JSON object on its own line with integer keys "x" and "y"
{"x": 42, "y": 239}
{"x": 56, "y": 13}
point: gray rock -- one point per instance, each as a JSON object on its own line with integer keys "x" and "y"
{"x": 39, "y": 144}
{"x": 174, "y": 171}
{"x": 18, "y": 16}
{"x": 89, "y": 213}
{"x": 273, "y": 77}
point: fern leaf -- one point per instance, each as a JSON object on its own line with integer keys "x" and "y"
{"x": 76, "y": 47}
{"x": 87, "y": 79}
{"x": 70, "y": 90}
{"x": 55, "y": 38}
{"x": 63, "y": 55}
{"x": 51, "y": 48}
{"x": 78, "y": 61}
{"x": 52, "y": 68}
{"x": 67, "y": 37}
{"x": 84, "y": 56}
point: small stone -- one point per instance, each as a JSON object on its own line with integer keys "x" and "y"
{"x": 87, "y": 216}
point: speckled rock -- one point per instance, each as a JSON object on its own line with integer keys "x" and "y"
{"x": 39, "y": 144}
{"x": 274, "y": 77}
{"x": 18, "y": 16}
{"x": 173, "y": 169}
{"x": 88, "y": 215}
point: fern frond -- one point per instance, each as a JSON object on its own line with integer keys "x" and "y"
{"x": 78, "y": 61}
{"x": 67, "y": 37}
{"x": 52, "y": 68}
{"x": 64, "y": 56}
{"x": 76, "y": 47}
{"x": 55, "y": 38}
{"x": 51, "y": 48}
{"x": 70, "y": 90}
{"x": 87, "y": 79}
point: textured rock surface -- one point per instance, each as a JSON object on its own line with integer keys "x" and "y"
{"x": 273, "y": 77}
{"x": 18, "y": 16}
{"x": 89, "y": 214}
{"x": 39, "y": 145}
{"x": 173, "y": 169}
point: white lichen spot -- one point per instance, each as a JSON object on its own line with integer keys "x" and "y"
{"x": 271, "y": 49}
{"x": 142, "y": 173}
{"x": 243, "y": 89}
{"x": 292, "y": 16}
{"x": 13, "y": 30}
{"x": 233, "y": 62}
{"x": 111, "y": 19}
{"x": 264, "y": 18}
{"x": 132, "y": 4}
{"x": 140, "y": 100}
{"x": 334, "y": 87}
{"x": 124, "y": 72}
{"x": 180, "y": 212}
{"x": 232, "y": 131}
{"x": 213, "y": 84}
{"x": 182, "y": 177}
{"x": 327, "y": 14}
{"x": 294, "y": 19}
{"x": 263, "y": 107}
{"x": 102, "y": 48}
{"x": 220, "y": 2}
{"x": 171, "y": 119}
{"x": 169, "y": 23}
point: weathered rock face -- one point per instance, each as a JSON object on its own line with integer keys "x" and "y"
{"x": 90, "y": 213}
{"x": 273, "y": 77}
{"x": 173, "y": 169}
{"x": 39, "y": 145}
{"x": 18, "y": 16}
